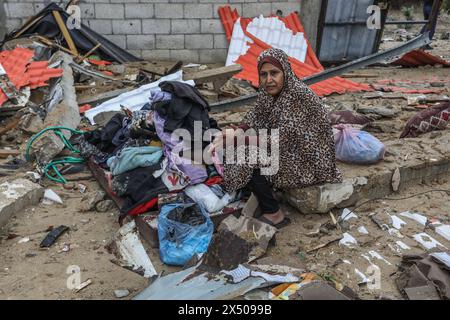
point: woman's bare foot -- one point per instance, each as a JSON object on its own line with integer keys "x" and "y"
{"x": 276, "y": 217}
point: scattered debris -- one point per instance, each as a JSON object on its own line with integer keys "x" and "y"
{"x": 129, "y": 251}
{"x": 83, "y": 285}
{"x": 50, "y": 239}
{"x": 50, "y": 197}
{"x": 122, "y": 293}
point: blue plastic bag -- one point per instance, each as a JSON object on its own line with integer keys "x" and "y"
{"x": 183, "y": 231}
{"x": 357, "y": 146}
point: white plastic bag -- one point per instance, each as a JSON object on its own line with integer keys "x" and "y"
{"x": 205, "y": 197}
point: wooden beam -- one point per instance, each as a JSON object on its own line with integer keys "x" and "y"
{"x": 6, "y": 153}
{"x": 212, "y": 75}
{"x": 65, "y": 32}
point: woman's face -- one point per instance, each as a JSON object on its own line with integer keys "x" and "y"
{"x": 271, "y": 79}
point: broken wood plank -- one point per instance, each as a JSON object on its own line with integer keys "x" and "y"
{"x": 323, "y": 245}
{"x": 6, "y": 153}
{"x": 211, "y": 75}
{"x": 94, "y": 100}
{"x": 65, "y": 32}
{"x": 11, "y": 124}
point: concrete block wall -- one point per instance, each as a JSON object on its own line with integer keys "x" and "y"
{"x": 188, "y": 30}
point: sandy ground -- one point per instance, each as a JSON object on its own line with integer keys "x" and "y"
{"x": 28, "y": 272}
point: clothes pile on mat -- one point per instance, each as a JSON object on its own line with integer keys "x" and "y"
{"x": 145, "y": 159}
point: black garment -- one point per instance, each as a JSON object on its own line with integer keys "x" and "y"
{"x": 138, "y": 187}
{"x": 186, "y": 106}
{"x": 103, "y": 138}
{"x": 263, "y": 191}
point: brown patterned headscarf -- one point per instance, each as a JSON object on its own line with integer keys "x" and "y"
{"x": 306, "y": 141}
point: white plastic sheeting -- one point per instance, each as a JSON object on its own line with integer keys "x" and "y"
{"x": 135, "y": 99}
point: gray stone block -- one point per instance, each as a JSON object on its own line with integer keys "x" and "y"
{"x": 202, "y": 11}
{"x": 199, "y": 41}
{"x": 101, "y": 26}
{"x": 184, "y": 55}
{"x": 141, "y": 42}
{"x": 19, "y": 10}
{"x": 255, "y": 9}
{"x": 127, "y": 27}
{"x": 139, "y": 10}
{"x": 170, "y": 10}
{"x": 16, "y": 195}
{"x": 156, "y": 26}
{"x": 212, "y": 26}
{"x": 109, "y": 11}
{"x": 169, "y": 41}
{"x": 185, "y": 26}
{"x": 213, "y": 55}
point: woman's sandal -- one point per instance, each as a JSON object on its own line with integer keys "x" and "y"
{"x": 286, "y": 221}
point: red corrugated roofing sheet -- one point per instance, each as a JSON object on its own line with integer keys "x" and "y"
{"x": 22, "y": 72}
{"x": 323, "y": 88}
{"x": 418, "y": 58}
{"x": 310, "y": 67}
{"x": 292, "y": 22}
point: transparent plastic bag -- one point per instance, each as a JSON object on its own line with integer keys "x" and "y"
{"x": 357, "y": 146}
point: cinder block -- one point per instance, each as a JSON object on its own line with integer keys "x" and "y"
{"x": 203, "y": 11}
{"x": 286, "y": 7}
{"x": 199, "y": 41}
{"x": 87, "y": 10}
{"x": 184, "y": 55}
{"x": 19, "y": 10}
{"x": 169, "y": 41}
{"x": 127, "y": 27}
{"x": 142, "y": 10}
{"x": 220, "y": 41}
{"x": 17, "y": 195}
{"x": 170, "y": 10}
{"x": 101, "y": 26}
{"x": 156, "y": 26}
{"x": 109, "y": 11}
{"x": 212, "y": 26}
{"x": 185, "y": 26}
{"x": 163, "y": 55}
{"x": 141, "y": 42}
{"x": 256, "y": 9}
{"x": 214, "y": 55}
{"x": 119, "y": 40}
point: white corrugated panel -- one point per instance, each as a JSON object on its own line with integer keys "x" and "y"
{"x": 273, "y": 31}
{"x": 238, "y": 44}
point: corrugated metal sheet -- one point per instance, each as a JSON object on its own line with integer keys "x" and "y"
{"x": 270, "y": 30}
{"x": 238, "y": 44}
{"x": 273, "y": 31}
{"x": 347, "y": 42}
{"x": 22, "y": 72}
{"x": 292, "y": 22}
{"x": 418, "y": 58}
{"x": 327, "y": 87}
{"x": 248, "y": 60}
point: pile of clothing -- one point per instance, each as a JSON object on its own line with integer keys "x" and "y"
{"x": 146, "y": 158}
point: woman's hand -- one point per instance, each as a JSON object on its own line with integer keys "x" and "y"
{"x": 221, "y": 137}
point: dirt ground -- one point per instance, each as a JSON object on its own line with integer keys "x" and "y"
{"x": 28, "y": 272}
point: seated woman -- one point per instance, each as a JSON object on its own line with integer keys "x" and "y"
{"x": 306, "y": 143}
